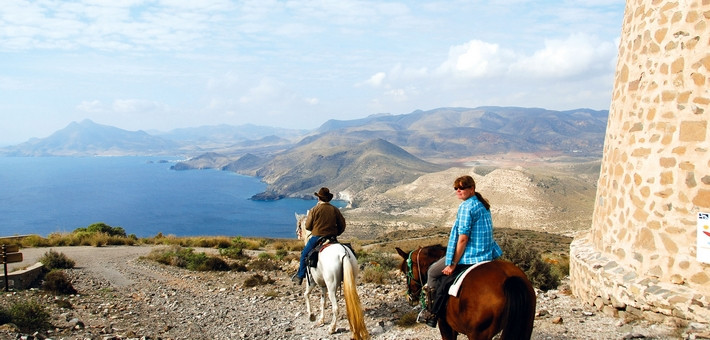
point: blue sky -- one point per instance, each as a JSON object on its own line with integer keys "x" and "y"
{"x": 160, "y": 65}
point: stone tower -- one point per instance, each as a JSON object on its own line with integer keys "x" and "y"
{"x": 640, "y": 256}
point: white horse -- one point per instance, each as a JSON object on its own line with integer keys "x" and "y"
{"x": 336, "y": 264}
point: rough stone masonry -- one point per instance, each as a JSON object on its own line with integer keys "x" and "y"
{"x": 640, "y": 256}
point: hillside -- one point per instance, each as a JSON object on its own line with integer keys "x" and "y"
{"x": 351, "y": 171}
{"x": 556, "y": 198}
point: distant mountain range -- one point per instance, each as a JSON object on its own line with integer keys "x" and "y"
{"x": 349, "y": 156}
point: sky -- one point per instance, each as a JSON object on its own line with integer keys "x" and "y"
{"x": 166, "y": 64}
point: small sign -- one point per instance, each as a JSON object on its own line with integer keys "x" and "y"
{"x": 704, "y": 237}
{"x": 11, "y": 258}
{"x": 10, "y": 248}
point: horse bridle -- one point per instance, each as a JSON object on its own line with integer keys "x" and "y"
{"x": 410, "y": 275}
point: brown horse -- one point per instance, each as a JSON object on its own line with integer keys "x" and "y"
{"x": 495, "y": 296}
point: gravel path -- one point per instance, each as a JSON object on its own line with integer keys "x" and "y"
{"x": 124, "y": 297}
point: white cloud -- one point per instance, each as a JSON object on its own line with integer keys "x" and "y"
{"x": 311, "y": 101}
{"x": 91, "y": 106}
{"x": 136, "y": 106}
{"x": 577, "y": 55}
{"x": 474, "y": 59}
{"x": 376, "y": 79}
{"x": 266, "y": 90}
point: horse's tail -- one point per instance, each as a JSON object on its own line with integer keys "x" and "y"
{"x": 519, "y": 311}
{"x": 352, "y": 301}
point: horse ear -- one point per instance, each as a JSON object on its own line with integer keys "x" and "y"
{"x": 402, "y": 253}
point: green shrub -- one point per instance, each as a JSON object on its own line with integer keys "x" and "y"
{"x": 281, "y": 253}
{"x": 262, "y": 264}
{"x": 384, "y": 260}
{"x": 30, "y": 316}
{"x": 265, "y": 256}
{"x": 238, "y": 266}
{"x": 54, "y": 260}
{"x": 56, "y": 281}
{"x": 104, "y": 229}
{"x": 186, "y": 258}
{"x": 408, "y": 320}
{"x": 374, "y": 274}
{"x": 232, "y": 253}
{"x": 530, "y": 261}
{"x": 214, "y": 264}
{"x": 34, "y": 241}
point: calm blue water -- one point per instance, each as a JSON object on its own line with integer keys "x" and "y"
{"x": 42, "y": 195}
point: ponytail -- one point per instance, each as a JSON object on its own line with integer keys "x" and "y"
{"x": 483, "y": 201}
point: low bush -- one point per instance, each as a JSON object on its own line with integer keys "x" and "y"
{"x": 529, "y": 260}
{"x": 385, "y": 260}
{"x": 263, "y": 264}
{"x": 408, "y": 320}
{"x": 232, "y": 253}
{"x": 187, "y": 258}
{"x": 374, "y": 274}
{"x": 57, "y": 282}
{"x": 214, "y": 264}
{"x": 29, "y": 316}
{"x": 102, "y": 228}
{"x": 55, "y": 260}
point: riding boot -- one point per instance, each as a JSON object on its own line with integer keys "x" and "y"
{"x": 426, "y": 315}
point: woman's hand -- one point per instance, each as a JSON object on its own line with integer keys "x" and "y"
{"x": 449, "y": 269}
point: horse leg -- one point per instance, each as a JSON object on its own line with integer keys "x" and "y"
{"x": 321, "y": 319}
{"x": 334, "y": 304}
{"x": 307, "y": 296}
{"x": 447, "y": 333}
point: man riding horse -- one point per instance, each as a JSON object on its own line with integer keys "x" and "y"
{"x": 323, "y": 221}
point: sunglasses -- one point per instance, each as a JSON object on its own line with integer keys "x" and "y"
{"x": 462, "y": 188}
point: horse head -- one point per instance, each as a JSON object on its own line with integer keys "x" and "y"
{"x": 301, "y": 231}
{"x": 415, "y": 265}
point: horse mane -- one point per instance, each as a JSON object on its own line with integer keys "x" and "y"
{"x": 434, "y": 250}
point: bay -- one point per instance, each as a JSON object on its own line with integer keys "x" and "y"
{"x": 43, "y": 195}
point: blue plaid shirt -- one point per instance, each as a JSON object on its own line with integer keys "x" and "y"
{"x": 474, "y": 220}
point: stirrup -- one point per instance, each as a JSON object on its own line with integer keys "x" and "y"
{"x": 427, "y": 317}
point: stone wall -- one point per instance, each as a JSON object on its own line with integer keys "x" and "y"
{"x": 22, "y": 279}
{"x": 640, "y": 253}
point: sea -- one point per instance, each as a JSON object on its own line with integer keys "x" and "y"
{"x": 44, "y": 195}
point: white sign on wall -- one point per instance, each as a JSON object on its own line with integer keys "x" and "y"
{"x": 704, "y": 237}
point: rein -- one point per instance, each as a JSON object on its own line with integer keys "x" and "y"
{"x": 410, "y": 275}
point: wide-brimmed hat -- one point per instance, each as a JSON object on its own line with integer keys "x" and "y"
{"x": 324, "y": 194}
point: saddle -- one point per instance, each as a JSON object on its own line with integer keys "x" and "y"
{"x": 324, "y": 242}
{"x": 441, "y": 295}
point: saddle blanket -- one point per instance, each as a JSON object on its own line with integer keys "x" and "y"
{"x": 454, "y": 289}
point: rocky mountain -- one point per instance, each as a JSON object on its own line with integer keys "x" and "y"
{"x": 451, "y": 135}
{"x": 225, "y": 136}
{"x": 357, "y": 158}
{"x": 351, "y": 170}
{"x": 87, "y": 138}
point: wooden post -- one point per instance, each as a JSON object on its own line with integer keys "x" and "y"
{"x": 10, "y": 254}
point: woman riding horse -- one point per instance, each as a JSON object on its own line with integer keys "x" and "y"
{"x": 470, "y": 242}
{"x": 495, "y": 296}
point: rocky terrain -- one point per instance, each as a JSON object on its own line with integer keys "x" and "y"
{"x": 122, "y": 296}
